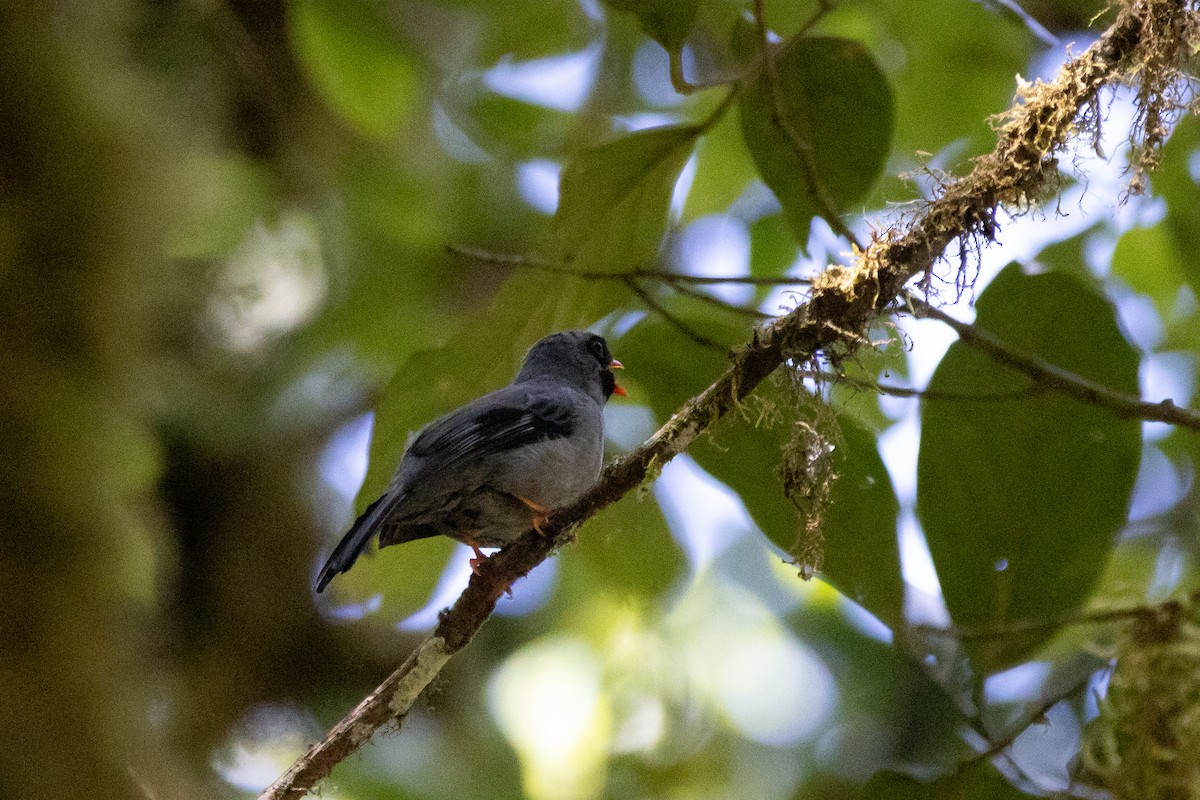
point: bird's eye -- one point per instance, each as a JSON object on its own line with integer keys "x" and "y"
{"x": 597, "y": 349}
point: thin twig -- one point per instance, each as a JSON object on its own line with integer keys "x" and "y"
{"x": 683, "y": 288}
{"x": 818, "y": 192}
{"x": 925, "y": 394}
{"x": 557, "y": 268}
{"x": 1098, "y": 617}
{"x": 1031, "y": 716}
{"x": 1059, "y": 379}
{"x": 674, "y": 321}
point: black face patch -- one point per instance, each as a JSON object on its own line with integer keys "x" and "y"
{"x": 608, "y": 383}
{"x": 598, "y": 348}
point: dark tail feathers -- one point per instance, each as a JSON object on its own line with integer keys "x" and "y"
{"x": 347, "y": 550}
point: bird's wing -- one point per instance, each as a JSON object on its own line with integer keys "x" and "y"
{"x": 504, "y": 420}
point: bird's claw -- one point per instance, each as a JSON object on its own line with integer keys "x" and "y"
{"x": 541, "y": 514}
{"x": 478, "y": 560}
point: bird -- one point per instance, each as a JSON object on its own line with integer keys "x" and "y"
{"x": 490, "y": 470}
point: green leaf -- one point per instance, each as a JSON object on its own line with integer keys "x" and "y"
{"x": 1021, "y": 495}
{"x": 976, "y": 781}
{"x": 614, "y": 199}
{"x": 356, "y": 62}
{"x": 627, "y": 554}
{"x": 667, "y": 22}
{"x": 1149, "y": 262}
{"x": 723, "y": 170}
{"x": 507, "y": 128}
{"x": 836, "y": 99}
{"x": 951, "y": 65}
{"x": 1174, "y": 182}
{"x": 227, "y": 193}
{"x": 516, "y": 30}
{"x": 671, "y": 368}
{"x": 772, "y": 250}
{"x": 862, "y": 556}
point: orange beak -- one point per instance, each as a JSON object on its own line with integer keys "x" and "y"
{"x": 618, "y": 388}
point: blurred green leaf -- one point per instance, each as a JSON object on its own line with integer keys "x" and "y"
{"x": 977, "y": 781}
{"x": 1148, "y": 261}
{"x": 772, "y": 248}
{"x": 862, "y": 556}
{"x": 667, "y": 22}
{"x": 402, "y": 576}
{"x": 357, "y": 63}
{"x": 515, "y": 30}
{"x": 627, "y": 553}
{"x": 226, "y": 195}
{"x": 1067, "y": 256}
{"x": 957, "y": 58}
{"x": 665, "y": 367}
{"x": 508, "y": 128}
{"x": 1174, "y": 181}
{"x": 838, "y": 101}
{"x": 1021, "y": 497}
{"x": 723, "y": 170}
{"x": 614, "y": 199}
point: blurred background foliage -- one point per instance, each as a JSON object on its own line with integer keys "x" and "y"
{"x": 224, "y": 232}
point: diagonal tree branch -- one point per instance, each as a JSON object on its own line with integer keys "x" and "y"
{"x": 843, "y": 302}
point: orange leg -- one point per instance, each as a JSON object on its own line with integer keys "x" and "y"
{"x": 540, "y": 513}
{"x": 479, "y": 558}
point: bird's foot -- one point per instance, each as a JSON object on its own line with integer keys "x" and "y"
{"x": 478, "y": 560}
{"x": 540, "y": 514}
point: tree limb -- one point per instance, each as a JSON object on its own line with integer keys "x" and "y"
{"x": 843, "y": 303}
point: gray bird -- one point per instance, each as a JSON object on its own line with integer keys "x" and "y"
{"x": 486, "y": 472}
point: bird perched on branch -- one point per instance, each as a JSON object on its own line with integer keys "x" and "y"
{"x": 488, "y": 471}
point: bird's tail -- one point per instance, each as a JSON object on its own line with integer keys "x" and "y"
{"x": 360, "y": 533}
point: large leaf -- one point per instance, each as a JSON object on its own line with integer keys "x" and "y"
{"x": 667, "y": 22}
{"x": 1022, "y": 495}
{"x": 356, "y": 62}
{"x": 861, "y": 554}
{"x": 835, "y": 98}
{"x": 614, "y": 199}
{"x": 627, "y": 555}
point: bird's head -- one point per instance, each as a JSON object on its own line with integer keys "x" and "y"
{"x": 581, "y": 358}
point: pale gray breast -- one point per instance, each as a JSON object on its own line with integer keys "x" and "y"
{"x": 554, "y": 472}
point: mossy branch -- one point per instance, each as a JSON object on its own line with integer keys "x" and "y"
{"x": 843, "y": 303}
